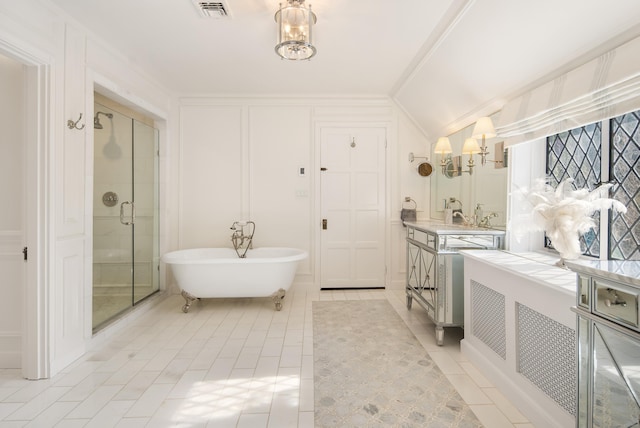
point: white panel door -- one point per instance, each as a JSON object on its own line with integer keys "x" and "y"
{"x": 352, "y": 183}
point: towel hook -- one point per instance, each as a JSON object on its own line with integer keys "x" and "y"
{"x": 74, "y": 125}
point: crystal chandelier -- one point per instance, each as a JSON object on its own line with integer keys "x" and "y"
{"x": 295, "y": 22}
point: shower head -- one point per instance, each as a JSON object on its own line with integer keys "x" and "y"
{"x": 96, "y": 119}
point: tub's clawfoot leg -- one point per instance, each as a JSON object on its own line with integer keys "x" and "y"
{"x": 188, "y": 299}
{"x": 277, "y": 298}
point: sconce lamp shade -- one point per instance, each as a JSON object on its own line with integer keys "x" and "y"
{"x": 484, "y": 128}
{"x": 443, "y": 146}
{"x": 295, "y": 23}
{"x": 470, "y": 147}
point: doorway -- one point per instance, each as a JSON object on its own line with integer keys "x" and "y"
{"x": 352, "y": 189}
{"x": 125, "y": 210}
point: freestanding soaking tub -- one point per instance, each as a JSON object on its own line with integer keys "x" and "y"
{"x": 220, "y": 273}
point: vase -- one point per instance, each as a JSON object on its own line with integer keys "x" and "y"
{"x": 561, "y": 264}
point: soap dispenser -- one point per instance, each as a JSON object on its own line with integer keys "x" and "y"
{"x": 478, "y": 214}
{"x": 448, "y": 213}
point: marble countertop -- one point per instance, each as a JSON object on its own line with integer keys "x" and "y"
{"x": 532, "y": 266}
{"x": 627, "y": 272}
{"x": 452, "y": 229}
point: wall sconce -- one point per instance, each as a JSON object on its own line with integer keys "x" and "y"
{"x": 451, "y": 167}
{"x": 470, "y": 148}
{"x": 443, "y": 147}
{"x": 482, "y": 130}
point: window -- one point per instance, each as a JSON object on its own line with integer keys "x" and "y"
{"x": 597, "y": 153}
{"x": 624, "y": 238}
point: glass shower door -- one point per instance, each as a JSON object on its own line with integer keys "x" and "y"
{"x": 145, "y": 200}
{"x": 125, "y": 232}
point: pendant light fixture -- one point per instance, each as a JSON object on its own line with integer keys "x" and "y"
{"x": 295, "y": 23}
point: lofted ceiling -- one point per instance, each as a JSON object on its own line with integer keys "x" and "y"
{"x": 444, "y": 62}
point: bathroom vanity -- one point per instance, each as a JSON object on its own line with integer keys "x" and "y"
{"x": 607, "y": 310}
{"x": 435, "y": 270}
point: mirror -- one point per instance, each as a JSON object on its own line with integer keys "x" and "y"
{"x": 486, "y": 185}
{"x": 425, "y": 169}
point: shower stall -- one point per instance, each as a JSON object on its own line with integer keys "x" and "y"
{"x": 125, "y": 211}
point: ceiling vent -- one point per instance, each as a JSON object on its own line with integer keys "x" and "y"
{"x": 212, "y": 9}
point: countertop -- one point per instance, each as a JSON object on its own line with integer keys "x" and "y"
{"x": 532, "y": 266}
{"x": 451, "y": 229}
{"x": 627, "y": 272}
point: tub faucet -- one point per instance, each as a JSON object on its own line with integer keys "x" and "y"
{"x": 238, "y": 237}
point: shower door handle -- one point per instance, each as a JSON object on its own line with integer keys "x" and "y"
{"x": 133, "y": 213}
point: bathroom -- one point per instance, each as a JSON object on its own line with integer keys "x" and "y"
{"x": 221, "y": 159}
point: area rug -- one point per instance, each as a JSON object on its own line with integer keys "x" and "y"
{"x": 371, "y": 371}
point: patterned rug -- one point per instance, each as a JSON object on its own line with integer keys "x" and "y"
{"x": 371, "y": 371}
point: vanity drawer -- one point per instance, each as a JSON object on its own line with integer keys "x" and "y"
{"x": 616, "y": 302}
{"x": 427, "y": 239}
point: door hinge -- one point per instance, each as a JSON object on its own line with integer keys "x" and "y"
{"x": 25, "y": 253}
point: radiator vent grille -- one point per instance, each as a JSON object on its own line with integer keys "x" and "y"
{"x": 546, "y": 351}
{"x": 488, "y": 318}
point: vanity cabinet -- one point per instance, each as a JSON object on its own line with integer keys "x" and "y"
{"x": 435, "y": 269}
{"x": 608, "y": 321}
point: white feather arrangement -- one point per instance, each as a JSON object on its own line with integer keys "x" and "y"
{"x": 565, "y": 214}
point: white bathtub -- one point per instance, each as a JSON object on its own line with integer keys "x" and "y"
{"x": 219, "y": 272}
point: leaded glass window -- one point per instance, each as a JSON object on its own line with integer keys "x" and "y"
{"x": 624, "y": 229}
{"x": 577, "y": 154}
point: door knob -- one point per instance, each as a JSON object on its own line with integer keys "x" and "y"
{"x": 324, "y": 224}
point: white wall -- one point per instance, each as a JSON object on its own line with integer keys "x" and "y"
{"x": 527, "y": 163}
{"x": 239, "y": 159}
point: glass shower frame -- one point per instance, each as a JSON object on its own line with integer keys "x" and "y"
{"x": 126, "y": 214}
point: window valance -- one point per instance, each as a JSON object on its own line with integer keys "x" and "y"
{"x": 600, "y": 89}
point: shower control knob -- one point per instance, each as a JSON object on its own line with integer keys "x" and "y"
{"x": 110, "y": 199}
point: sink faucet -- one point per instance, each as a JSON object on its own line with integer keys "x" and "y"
{"x": 486, "y": 220}
{"x": 467, "y": 221}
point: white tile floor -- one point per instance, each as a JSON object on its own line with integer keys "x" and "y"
{"x": 227, "y": 363}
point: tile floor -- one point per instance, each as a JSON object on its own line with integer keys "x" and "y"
{"x": 227, "y": 363}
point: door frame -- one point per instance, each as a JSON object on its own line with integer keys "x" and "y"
{"x": 317, "y": 214}
{"x": 38, "y": 229}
